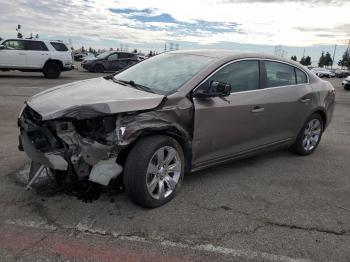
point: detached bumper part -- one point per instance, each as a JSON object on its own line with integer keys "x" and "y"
{"x": 104, "y": 171}
{"x": 50, "y": 160}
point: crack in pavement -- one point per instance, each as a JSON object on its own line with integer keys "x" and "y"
{"x": 314, "y": 229}
{"x": 19, "y": 254}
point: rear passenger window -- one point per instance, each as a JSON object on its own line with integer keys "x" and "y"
{"x": 59, "y": 46}
{"x": 301, "y": 76}
{"x": 242, "y": 76}
{"x": 35, "y": 46}
{"x": 279, "y": 74}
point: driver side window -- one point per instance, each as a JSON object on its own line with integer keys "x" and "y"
{"x": 14, "y": 44}
{"x": 113, "y": 57}
{"x": 242, "y": 75}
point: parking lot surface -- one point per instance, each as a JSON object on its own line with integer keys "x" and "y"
{"x": 273, "y": 207}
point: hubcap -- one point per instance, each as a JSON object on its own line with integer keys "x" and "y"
{"x": 163, "y": 172}
{"x": 312, "y": 134}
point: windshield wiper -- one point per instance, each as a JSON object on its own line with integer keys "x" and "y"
{"x": 135, "y": 85}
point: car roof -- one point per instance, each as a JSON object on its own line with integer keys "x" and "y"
{"x": 225, "y": 54}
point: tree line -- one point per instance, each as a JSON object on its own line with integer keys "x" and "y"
{"x": 325, "y": 60}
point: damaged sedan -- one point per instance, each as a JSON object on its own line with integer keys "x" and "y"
{"x": 175, "y": 113}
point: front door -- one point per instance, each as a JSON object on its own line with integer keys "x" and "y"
{"x": 224, "y": 127}
{"x": 112, "y": 63}
{"x": 13, "y": 56}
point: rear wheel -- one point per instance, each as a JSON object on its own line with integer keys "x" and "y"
{"x": 99, "y": 68}
{"x": 52, "y": 70}
{"x": 309, "y": 136}
{"x": 154, "y": 170}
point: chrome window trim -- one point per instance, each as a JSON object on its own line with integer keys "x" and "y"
{"x": 255, "y": 59}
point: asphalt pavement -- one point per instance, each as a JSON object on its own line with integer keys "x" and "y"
{"x": 273, "y": 207}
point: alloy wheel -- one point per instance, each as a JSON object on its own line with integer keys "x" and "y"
{"x": 163, "y": 172}
{"x": 312, "y": 134}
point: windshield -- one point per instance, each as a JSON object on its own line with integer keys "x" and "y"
{"x": 104, "y": 55}
{"x": 164, "y": 73}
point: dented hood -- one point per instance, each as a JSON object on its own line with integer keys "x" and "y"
{"x": 91, "y": 98}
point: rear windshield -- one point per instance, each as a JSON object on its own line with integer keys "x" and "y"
{"x": 59, "y": 46}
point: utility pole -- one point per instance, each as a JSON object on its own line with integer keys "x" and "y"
{"x": 335, "y": 49}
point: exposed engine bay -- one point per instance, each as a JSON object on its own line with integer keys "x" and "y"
{"x": 93, "y": 149}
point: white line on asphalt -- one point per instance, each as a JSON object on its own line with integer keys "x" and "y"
{"x": 84, "y": 227}
{"x": 32, "y": 87}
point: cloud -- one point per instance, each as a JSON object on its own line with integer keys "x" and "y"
{"x": 110, "y": 22}
{"x": 309, "y": 2}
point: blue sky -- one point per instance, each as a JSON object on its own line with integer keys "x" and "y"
{"x": 244, "y": 25}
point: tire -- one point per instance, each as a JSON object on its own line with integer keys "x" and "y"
{"x": 52, "y": 70}
{"x": 145, "y": 175}
{"x": 99, "y": 68}
{"x": 309, "y": 136}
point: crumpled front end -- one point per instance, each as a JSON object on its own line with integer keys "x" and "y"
{"x": 96, "y": 148}
{"x": 71, "y": 145}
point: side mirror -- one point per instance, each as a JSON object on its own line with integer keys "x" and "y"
{"x": 2, "y": 47}
{"x": 214, "y": 89}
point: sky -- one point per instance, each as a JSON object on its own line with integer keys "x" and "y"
{"x": 244, "y": 25}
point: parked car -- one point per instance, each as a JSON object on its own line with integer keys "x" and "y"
{"x": 346, "y": 83}
{"x": 174, "y": 113}
{"x": 340, "y": 73}
{"x": 109, "y": 61}
{"x": 322, "y": 72}
{"x": 81, "y": 56}
{"x": 28, "y": 55}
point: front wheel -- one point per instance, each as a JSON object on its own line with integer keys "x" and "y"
{"x": 309, "y": 136}
{"x": 154, "y": 171}
{"x": 99, "y": 68}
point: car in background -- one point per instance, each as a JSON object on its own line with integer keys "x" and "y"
{"x": 174, "y": 113}
{"x": 340, "y": 73}
{"x": 346, "y": 83}
{"x": 109, "y": 61}
{"x": 81, "y": 56}
{"x": 32, "y": 55}
{"x": 322, "y": 72}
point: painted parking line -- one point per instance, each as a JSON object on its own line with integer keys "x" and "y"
{"x": 85, "y": 227}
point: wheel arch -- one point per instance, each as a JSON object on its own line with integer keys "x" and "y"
{"x": 174, "y": 133}
{"x": 323, "y": 115}
{"x": 55, "y": 61}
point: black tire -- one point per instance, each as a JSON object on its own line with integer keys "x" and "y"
{"x": 347, "y": 87}
{"x": 298, "y": 146}
{"x": 99, "y": 68}
{"x": 52, "y": 70}
{"x": 135, "y": 170}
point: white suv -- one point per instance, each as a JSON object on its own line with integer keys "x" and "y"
{"x": 28, "y": 55}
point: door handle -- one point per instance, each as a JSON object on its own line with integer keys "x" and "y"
{"x": 257, "y": 109}
{"x": 305, "y": 100}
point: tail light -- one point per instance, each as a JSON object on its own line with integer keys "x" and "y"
{"x": 332, "y": 92}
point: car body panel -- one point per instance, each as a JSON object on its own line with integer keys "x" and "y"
{"x": 211, "y": 130}
{"x": 91, "y": 98}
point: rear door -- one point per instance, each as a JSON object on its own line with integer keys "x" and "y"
{"x": 13, "y": 56}
{"x": 224, "y": 127}
{"x": 287, "y": 101}
{"x": 37, "y": 54}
